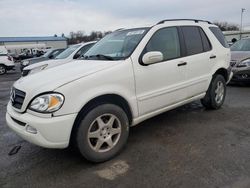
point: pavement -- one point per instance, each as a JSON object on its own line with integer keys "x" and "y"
{"x": 188, "y": 147}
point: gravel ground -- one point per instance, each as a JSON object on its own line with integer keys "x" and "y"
{"x": 188, "y": 147}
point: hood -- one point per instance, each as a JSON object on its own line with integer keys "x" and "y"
{"x": 50, "y": 79}
{"x": 238, "y": 56}
{"x": 49, "y": 63}
{"x": 37, "y": 59}
{"x": 33, "y": 58}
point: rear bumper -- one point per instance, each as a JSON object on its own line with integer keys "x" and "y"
{"x": 53, "y": 132}
{"x": 11, "y": 67}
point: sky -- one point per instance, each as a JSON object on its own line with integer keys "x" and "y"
{"x": 49, "y": 17}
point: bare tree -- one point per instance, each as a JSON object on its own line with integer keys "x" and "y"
{"x": 80, "y": 36}
{"x": 225, "y": 26}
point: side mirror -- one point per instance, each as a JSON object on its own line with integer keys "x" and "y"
{"x": 51, "y": 57}
{"x": 152, "y": 57}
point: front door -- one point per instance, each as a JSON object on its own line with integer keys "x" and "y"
{"x": 161, "y": 84}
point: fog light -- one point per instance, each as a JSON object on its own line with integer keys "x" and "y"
{"x": 31, "y": 129}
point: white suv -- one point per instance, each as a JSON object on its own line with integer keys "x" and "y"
{"x": 127, "y": 77}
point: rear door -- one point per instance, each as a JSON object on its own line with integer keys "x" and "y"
{"x": 200, "y": 59}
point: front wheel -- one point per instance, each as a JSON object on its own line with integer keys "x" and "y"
{"x": 216, "y": 93}
{"x": 102, "y": 133}
{"x": 2, "y": 69}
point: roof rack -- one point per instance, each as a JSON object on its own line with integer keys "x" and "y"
{"x": 195, "y": 20}
{"x": 119, "y": 29}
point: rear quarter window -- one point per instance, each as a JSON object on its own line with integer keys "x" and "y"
{"x": 219, "y": 35}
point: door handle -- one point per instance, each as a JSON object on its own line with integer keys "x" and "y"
{"x": 182, "y": 64}
{"x": 212, "y": 56}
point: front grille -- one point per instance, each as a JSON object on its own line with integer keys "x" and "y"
{"x": 17, "y": 98}
{"x": 233, "y": 63}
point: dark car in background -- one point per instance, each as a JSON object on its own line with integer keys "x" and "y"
{"x": 50, "y": 54}
{"x": 240, "y": 60}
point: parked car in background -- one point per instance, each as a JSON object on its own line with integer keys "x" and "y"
{"x": 50, "y": 54}
{"x": 240, "y": 60}
{"x": 72, "y": 52}
{"x": 6, "y": 61}
{"x": 24, "y": 55}
{"x": 127, "y": 77}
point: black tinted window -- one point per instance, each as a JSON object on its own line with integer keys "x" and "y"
{"x": 192, "y": 39}
{"x": 55, "y": 53}
{"x": 219, "y": 35}
{"x": 206, "y": 43}
{"x": 166, "y": 41}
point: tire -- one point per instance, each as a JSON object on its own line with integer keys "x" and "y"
{"x": 216, "y": 93}
{"x": 2, "y": 70}
{"x": 103, "y": 126}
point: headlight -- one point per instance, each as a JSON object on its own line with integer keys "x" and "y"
{"x": 25, "y": 63}
{"x": 37, "y": 69}
{"x": 244, "y": 63}
{"x": 47, "y": 103}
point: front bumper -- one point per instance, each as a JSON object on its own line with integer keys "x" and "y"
{"x": 241, "y": 74}
{"x": 53, "y": 132}
{"x": 230, "y": 74}
{"x": 23, "y": 66}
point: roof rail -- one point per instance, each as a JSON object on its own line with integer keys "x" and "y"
{"x": 119, "y": 29}
{"x": 195, "y": 20}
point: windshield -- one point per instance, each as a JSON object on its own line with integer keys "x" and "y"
{"x": 241, "y": 45}
{"x": 66, "y": 53}
{"x": 117, "y": 45}
{"x": 47, "y": 53}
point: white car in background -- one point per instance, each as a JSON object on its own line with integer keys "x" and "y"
{"x": 69, "y": 54}
{"x": 6, "y": 61}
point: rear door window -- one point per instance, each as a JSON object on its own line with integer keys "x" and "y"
{"x": 193, "y": 40}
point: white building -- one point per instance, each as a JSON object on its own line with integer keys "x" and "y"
{"x": 16, "y": 44}
{"x": 235, "y": 35}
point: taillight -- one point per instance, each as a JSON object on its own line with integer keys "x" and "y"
{"x": 9, "y": 58}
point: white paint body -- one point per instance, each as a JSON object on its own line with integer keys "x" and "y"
{"x": 149, "y": 90}
{"x": 4, "y": 57}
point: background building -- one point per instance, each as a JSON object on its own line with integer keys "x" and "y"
{"x": 15, "y": 45}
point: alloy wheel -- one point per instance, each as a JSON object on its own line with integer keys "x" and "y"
{"x": 219, "y": 92}
{"x": 104, "y": 133}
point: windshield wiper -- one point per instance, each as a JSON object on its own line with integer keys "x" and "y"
{"x": 99, "y": 56}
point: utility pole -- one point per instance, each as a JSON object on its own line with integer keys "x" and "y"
{"x": 241, "y": 21}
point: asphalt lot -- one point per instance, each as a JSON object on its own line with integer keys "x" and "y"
{"x": 188, "y": 147}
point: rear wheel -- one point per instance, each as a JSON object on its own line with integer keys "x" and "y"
{"x": 216, "y": 93}
{"x": 2, "y": 69}
{"x": 102, "y": 133}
